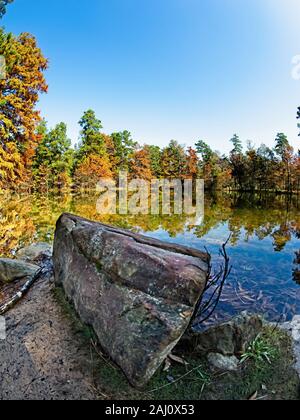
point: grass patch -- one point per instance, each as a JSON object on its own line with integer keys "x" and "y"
{"x": 261, "y": 351}
{"x": 266, "y": 371}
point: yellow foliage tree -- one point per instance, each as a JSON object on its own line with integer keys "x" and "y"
{"x": 91, "y": 170}
{"x": 19, "y": 94}
{"x": 141, "y": 165}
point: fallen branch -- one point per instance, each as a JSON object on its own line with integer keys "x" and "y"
{"x": 21, "y": 293}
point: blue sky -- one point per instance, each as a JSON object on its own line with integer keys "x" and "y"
{"x": 169, "y": 69}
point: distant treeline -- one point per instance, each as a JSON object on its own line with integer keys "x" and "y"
{"x": 56, "y": 165}
{"x": 33, "y": 156}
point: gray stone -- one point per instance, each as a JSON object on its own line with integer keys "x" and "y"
{"x": 13, "y": 270}
{"x": 137, "y": 293}
{"x": 223, "y": 363}
{"x": 230, "y": 338}
{"x": 35, "y": 252}
{"x": 293, "y": 328}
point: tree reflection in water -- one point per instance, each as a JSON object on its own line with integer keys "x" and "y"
{"x": 264, "y": 229}
{"x": 296, "y": 271}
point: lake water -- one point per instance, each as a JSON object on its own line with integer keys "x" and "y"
{"x": 265, "y": 240}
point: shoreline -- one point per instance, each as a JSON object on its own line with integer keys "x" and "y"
{"x": 59, "y": 359}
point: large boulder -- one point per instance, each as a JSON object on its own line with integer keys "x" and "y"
{"x": 138, "y": 294}
{"x": 13, "y": 270}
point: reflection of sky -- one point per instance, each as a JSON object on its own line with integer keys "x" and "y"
{"x": 261, "y": 279}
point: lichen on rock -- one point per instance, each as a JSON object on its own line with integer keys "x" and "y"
{"x": 138, "y": 294}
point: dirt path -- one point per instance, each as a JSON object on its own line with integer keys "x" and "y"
{"x": 43, "y": 358}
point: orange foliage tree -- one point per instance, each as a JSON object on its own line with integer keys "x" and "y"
{"x": 111, "y": 151}
{"x": 141, "y": 165}
{"x": 91, "y": 170}
{"x": 19, "y": 94}
{"x": 192, "y": 164}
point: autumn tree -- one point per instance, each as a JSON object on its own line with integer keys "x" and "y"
{"x": 110, "y": 148}
{"x": 141, "y": 165}
{"x": 92, "y": 168}
{"x": 192, "y": 164}
{"x": 19, "y": 94}
{"x": 11, "y": 165}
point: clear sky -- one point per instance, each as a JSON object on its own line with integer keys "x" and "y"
{"x": 169, "y": 69}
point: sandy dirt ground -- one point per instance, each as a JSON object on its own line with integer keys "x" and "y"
{"x": 43, "y": 358}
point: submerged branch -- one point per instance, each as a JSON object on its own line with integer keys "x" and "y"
{"x": 215, "y": 283}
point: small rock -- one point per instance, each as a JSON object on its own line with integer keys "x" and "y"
{"x": 293, "y": 328}
{"x": 231, "y": 338}
{"x": 35, "y": 252}
{"x": 295, "y": 324}
{"x": 12, "y": 270}
{"x": 223, "y": 363}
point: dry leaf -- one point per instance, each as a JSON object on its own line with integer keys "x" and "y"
{"x": 186, "y": 314}
{"x": 253, "y": 397}
{"x": 167, "y": 364}
{"x": 178, "y": 359}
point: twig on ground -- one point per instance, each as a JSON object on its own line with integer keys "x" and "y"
{"x": 21, "y": 293}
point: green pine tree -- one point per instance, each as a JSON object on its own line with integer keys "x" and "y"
{"x": 53, "y": 159}
{"x": 91, "y": 138}
{"x": 237, "y": 145}
{"x": 124, "y": 147}
{"x": 155, "y": 159}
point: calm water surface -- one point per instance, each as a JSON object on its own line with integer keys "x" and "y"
{"x": 264, "y": 246}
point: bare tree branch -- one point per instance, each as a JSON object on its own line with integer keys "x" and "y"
{"x": 215, "y": 284}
